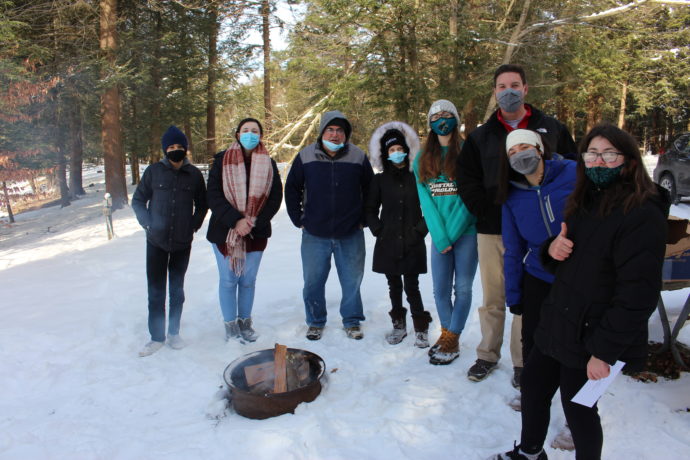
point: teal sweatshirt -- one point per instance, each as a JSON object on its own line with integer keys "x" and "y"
{"x": 445, "y": 214}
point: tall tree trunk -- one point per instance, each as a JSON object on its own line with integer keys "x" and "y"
{"x": 155, "y": 131}
{"x": 76, "y": 148}
{"x": 593, "y": 112}
{"x": 266, "y": 33}
{"x": 211, "y": 83}
{"x": 470, "y": 117}
{"x": 187, "y": 126}
{"x": 510, "y": 49}
{"x": 61, "y": 133}
{"x": 187, "y": 120}
{"x": 8, "y": 206}
{"x": 62, "y": 176}
{"x": 453, "y": 31}
{"x": 111, "y": 130}
{"x": 134, "y": 153}
{"x": 621, "y": 110}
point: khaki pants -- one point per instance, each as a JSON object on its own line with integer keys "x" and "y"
{"x": 492, "y": 313}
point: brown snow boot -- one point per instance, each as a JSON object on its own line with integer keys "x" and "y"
{"x": 436, "y": 346}
{"x": 448, "y": 350}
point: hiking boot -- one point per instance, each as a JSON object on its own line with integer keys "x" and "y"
{"x": 435, "y": 346}
{"x": 150, "y": 348}
{"x": 517, "y": 373}
{"x": 246, "y": 330}
{"x": 480, "y": 369}
{"x": 398, "y": 333}
{"x": 518, "y": 454}
{"x": 448, "y": 350}
{"x": 232, "y": 330}
{"x": 421, "y": 339}
{"x": 354, "y": 332}
{"x": 175, "y": 342}
{"x": 314, "y": 333}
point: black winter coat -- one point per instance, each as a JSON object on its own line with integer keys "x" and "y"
{"x": 224, "y": 216}
{"x": 604, "y": 293}
{"x": 170, "y": 204}
{"x": 477, "y": 164}
{"x": 400, "y": 228}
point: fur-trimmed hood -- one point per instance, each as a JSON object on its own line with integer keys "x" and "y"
{"x": 375, "y": 143}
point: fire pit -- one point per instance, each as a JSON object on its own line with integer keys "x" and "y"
{"x": 272, "y": 382}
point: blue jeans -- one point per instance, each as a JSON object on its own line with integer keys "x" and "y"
{"x": 348, "y": 253}
{"x": 236, "y": 293}
{"x": 160, "y": 265}
{"x": 454, "y": 272}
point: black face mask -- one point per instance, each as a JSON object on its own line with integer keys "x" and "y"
{"x": 176, "y": 155}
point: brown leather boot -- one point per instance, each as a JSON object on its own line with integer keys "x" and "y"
{"x": 435, "y": 346}
{"x": 448, "y": 351}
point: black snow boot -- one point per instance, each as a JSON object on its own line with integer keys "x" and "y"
{"x": 399, "y": 331}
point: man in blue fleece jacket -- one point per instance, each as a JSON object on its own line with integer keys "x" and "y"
{"x": 324, "y": 196}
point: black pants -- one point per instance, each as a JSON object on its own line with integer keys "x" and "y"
{"x": 541, "y": 377}
{"x": 534, "y": 291}
{"x": 160, "y": 265}
{"x": 414, "y": 298}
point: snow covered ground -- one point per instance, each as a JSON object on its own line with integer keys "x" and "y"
{"x": 73, "y": 307}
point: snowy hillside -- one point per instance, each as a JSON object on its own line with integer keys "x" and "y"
{"x": 73, "y": 387}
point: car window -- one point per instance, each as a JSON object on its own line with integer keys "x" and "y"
{"x": 681, "y": 144}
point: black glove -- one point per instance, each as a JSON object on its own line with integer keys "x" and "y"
{"x": 516, "y": 309}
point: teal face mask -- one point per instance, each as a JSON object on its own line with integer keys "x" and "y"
{"x": 397, "y": 157}
{"x": 603, "y": 176}
{"x": 249, "y": 140}
{"x": 331, "y": 146}
{"x": 444, "y": 126}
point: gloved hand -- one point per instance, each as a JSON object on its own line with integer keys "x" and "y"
{"x": 516, "y": 309}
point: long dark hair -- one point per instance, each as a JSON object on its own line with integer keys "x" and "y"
{"x": 632, "y": 188}
{"x": 430, "y": 164}
{"x": 506, "y": 174}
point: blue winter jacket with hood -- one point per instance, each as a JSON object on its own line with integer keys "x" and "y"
{"x": 530, "y": 216}
{"x": 324, "y": 194}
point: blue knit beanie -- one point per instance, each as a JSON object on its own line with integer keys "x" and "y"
{"x": 173, "y": 136}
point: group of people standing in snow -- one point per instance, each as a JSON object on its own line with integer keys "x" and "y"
{"x": 569, "y": 240}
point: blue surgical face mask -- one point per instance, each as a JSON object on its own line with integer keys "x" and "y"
{"x": 444, "y": 126}
{"x": 331, "y": 146}
{"x": 510, "y": 100}
{"x": 397, "y": 157}
{"x": 249, "y": 140}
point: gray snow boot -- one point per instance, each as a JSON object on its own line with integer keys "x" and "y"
{"x": 398, "y": 333}
{"x": 246, "y": 330}
{"x": 421, "y": 329}
{"x": 232, "y": 330}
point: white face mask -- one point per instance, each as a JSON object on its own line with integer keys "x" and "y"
{"x": 525, "y": 162}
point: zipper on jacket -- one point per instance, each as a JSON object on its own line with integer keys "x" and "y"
{"x": 543, "y": 213}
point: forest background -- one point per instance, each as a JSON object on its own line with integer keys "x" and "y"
{"x": 99, "y": 80}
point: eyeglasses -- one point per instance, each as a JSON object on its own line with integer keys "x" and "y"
{"x": 608, "y": 157}
{"x": 334, "y": 130}
{"x": 440, "y": 115}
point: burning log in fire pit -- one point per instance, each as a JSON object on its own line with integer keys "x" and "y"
{"x": 273, "y": 382}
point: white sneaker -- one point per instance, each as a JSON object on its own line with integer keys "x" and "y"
{"x": 150, "y": 348}
{"x": 175, "y": 342}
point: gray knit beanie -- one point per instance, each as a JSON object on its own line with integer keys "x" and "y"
{"x": 442, "y": 105}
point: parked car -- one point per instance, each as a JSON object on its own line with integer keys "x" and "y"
{"x": 673, "y": 168}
